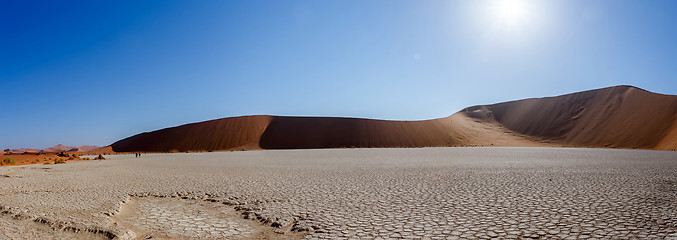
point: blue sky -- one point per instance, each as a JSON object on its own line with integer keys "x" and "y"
{"x": 93, "y": 72}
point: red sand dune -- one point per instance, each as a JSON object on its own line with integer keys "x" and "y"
{"x": 87, "y": 148}
{"x": 23, "y": 150}
{"x": 220, "y": 134}
{"x": 60, "y": 148}
{"x": 621, "y": 116}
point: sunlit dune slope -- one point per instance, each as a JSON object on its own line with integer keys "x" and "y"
{"x": 669, "y": 142}
{"x": 219, "y": 134}
{"x": 621, "y": 116}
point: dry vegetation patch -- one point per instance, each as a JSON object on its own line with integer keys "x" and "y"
{"x": 8, "y": 161}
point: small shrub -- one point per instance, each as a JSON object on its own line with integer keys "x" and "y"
{"x": 8, "y": 161}
{"x": 99, "y": 157}
{"x": 59, "y": 161}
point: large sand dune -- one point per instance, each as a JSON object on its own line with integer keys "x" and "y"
{"x": 219, "y": 134}
{"x": 621, "y": 116}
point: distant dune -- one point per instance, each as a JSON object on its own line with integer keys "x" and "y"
{"x": 56, "y": 149}
{"x": 87, "y": 148}
{"x": 100, "y": 150}
{"x": 621, "y": 116}
{"x": 23, "y": 150}
{"x": 60, "y": 148}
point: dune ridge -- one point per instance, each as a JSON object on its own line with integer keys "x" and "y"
{"x": 620, "y": 116}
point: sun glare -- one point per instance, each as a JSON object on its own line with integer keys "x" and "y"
{"x": 511, "y": 13}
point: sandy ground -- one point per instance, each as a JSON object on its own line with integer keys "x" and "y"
{"x": 436, "y": 193}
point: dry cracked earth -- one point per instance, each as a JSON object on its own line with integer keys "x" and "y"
{"x": 429, "y": 193}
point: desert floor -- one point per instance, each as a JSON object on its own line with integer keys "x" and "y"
{"x": 435, "y": 193}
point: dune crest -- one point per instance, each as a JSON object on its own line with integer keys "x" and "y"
{"x": 620, "y": 116}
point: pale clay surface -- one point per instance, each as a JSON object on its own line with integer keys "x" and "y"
{"x": 430, "y": 193}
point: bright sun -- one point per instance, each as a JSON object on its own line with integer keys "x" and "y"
{"x": 511, "y": 13}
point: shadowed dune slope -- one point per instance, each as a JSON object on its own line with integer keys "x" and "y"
{"x": 219, "y": 134}
{"x": 326, "y": 132}
{"x": 621, "y": 116}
